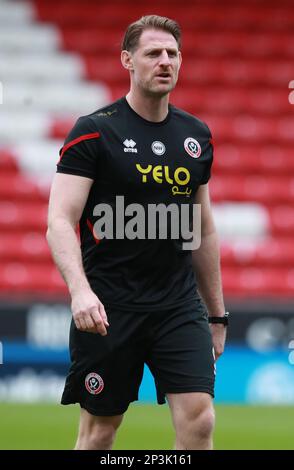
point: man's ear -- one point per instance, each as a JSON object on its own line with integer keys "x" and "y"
{"x": 126, "y": 60}
{"x": 180, "y": 59}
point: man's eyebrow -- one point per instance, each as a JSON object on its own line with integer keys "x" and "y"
{"x": 158, "y": 49}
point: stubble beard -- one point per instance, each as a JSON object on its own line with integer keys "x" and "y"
{"x": 149, "y": 89}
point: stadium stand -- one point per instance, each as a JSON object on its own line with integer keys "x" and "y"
{"x": 61, "y": 59}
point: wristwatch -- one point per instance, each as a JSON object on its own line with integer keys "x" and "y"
{"x": 224, "y": 320}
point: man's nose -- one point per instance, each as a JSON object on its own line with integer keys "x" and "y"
{"x": 164, "y": 58}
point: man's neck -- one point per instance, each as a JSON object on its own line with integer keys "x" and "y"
{"x": 154, "y": 109}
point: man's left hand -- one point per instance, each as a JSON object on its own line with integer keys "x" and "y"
{"x": 219, "y": 333}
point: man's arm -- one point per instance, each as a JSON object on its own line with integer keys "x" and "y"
{"x": 68, "y": 197}
{"x": 206, "y": 263}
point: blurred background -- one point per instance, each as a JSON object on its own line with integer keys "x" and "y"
{"x": 59, "y": 59}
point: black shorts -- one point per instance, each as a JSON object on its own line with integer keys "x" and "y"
{"x": 106, "y": 371}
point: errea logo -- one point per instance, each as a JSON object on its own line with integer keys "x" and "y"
{"x": 130, "y": 146}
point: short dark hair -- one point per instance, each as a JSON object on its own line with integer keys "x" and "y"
{"x": 133, "y": 33}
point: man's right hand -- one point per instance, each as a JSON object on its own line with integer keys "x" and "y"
{"x": 88, "y": 312}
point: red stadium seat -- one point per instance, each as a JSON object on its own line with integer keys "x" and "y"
{"x": 268, "y": 190}
{"x": 89, "y": 39}
{"x": 30, "y": 278}
{"x": 270, "y": 252}
{"x": 204, "y": 17}
{"x": 22, "y": 216}
{"x": 61, "y": 127}
{"x": 232, "y": 159}
{"x": 251, "y": 129}
{"x": 266, "y": 283}
{"x": 28, "y": 246}
{"x": 8, "y": 165}
{"x": 235, "y": 100}
{"x": 17, "y": 187}
{"x": 282, "y": 220}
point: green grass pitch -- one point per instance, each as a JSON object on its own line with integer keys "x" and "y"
{"x": 146, "y": 427}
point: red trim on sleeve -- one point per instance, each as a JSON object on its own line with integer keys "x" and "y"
{"x": 91, "y": 228}
{"x": 94, "y": 135}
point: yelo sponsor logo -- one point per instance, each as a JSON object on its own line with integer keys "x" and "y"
{"x": 161, "y": 173}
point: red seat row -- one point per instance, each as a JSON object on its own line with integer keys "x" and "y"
{"x": 268, "y": 252}
{"x": 24, "y": 246}
{"x": 209, "y": 16}
{"x": 232, "y": 159}
{"x": 282, "y": 220}
{"x": 91, "y": 40}
{"x": 233, "y": 100}
{"x": 267, "y": 190}
{"x": 22, "y": 216}
{"x": 44, "y": 278}
{"x": 8, "y": 165}
{"x": 30, "y": 278}
{"x": 16, "y": 187}
{"x": 260, "y": 282}
{"x": 251, "y": 129}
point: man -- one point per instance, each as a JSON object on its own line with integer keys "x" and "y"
{"x": 134, "y": 300}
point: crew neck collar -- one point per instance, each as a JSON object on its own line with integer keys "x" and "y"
{"x": 145, "y": 121}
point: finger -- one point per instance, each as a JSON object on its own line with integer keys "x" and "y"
{"x": 90, "y": 325}
{"x": 77, "y": 323}
{"x": 103, "y": 314}
{"x": 102, "y": 329}
{"x": 82, "y": 323}
{"x": 93, "y": 330}
{"x": 218, "y": 354}
{"x": 96, "y": 317}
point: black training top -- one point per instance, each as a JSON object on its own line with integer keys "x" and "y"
{"x": 146, "y": 163}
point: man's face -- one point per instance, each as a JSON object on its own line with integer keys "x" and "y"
{"x": 155, "y": 62}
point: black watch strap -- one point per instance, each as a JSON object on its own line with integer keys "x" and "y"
{"x": 222, "y": 320}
